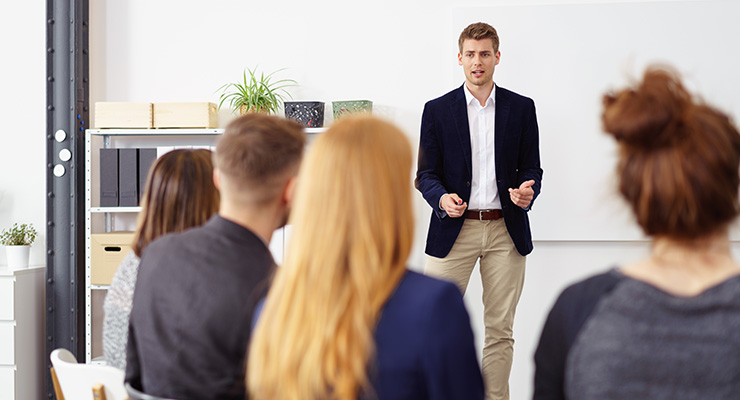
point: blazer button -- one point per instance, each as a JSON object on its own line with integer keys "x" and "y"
{"x": 468, "y": 183}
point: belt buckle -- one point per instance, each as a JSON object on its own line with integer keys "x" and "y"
{"x": 480, "y": 214}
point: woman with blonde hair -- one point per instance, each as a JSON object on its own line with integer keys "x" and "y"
{"x": 665, "y": 327}
{"x": 344, "y": 318}
{"x": 179, "y": 194}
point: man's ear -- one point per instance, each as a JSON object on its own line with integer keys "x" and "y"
{"x": 217, "y": 179}
{"x": 289, "y": 190}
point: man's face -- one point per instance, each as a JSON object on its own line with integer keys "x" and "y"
{"x": 478, "y": 61}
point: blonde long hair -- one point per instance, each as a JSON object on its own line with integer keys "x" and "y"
{"x": 353, "y": 231}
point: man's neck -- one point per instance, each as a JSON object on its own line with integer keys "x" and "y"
{"x": 481, "y": 93}
{"x": 261, "y": 222}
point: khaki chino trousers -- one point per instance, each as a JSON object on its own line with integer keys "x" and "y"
{"x": 502, "y": 274}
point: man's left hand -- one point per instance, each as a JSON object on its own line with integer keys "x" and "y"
{"x": 524, "y": 195}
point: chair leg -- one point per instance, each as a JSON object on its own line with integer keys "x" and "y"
{"x": 55, "y": 381}
{"x": 98, "y": 391}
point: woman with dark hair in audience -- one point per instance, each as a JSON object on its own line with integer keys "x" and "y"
{"x": 179, "y": 195}
{"x": 667, "y": 327}
{"x": 344, "y": 318}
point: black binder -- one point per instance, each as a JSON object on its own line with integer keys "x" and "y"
{"x": 108, "y": 177}
{"x": 128, "y": 178}
{"x": 146, "y": 160}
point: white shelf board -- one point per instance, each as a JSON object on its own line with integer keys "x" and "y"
{"x": 315, "y": 130}
{"x": 99, "y": 287}
{"x": 98, "y": 210}
{"x": 178, "y": 131}
{"x": 148, "y": 132}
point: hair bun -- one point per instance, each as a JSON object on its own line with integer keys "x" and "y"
{"x": 651, "y": 115}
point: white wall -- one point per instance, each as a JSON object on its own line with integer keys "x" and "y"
{"x": 399, "y": 54}
{"x": 23, "y": 114}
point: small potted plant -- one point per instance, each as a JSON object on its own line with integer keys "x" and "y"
{"x": 17, "y": 241}
{"x": 255, "y": 93}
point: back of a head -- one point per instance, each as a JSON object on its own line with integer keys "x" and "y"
{"x": 179, "y": 194}
{"x": 679, "y": 158}
{"x": 256, "y": 155}
{"x": 352, "y": 233}
{"x": 360, "y": 163}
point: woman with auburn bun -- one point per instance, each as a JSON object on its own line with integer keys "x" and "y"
{"x": 344, "y": 317}
{"x": 179, "y": 195}
{"x": 667, "y": 327}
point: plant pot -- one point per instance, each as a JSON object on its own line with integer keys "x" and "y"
{"x": 17, "y": 257}
{"x": 345, "y": 107}
{"x": 308, "y": 113}
{"x": 246, "y": 110}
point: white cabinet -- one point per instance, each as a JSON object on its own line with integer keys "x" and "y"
{"x": 22, "y": 365}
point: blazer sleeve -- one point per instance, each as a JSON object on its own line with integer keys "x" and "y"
{"x": 568, "y": 315}
{"x": 529, "y": 167}
{"x": 449, "y": 362}
{"x": 428, "y": 175}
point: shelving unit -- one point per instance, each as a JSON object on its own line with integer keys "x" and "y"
{"x": 103, "y": 219}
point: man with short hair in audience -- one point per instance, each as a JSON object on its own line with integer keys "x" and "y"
{"x": 196, "y": 290}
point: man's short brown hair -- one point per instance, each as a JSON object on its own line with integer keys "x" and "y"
{"x": 256, "y": 149}
{"x": 478, "y": 31}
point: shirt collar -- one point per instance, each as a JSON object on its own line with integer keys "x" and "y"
{"x": 470, "y": 99}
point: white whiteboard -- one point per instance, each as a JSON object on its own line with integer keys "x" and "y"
{"x": 566, "y": 56}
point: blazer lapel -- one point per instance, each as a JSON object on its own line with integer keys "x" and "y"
{"x": 502, "y": 118}
{"x": 459, "y": 111}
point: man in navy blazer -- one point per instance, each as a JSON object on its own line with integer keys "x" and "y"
{"x": 479, "y": 170}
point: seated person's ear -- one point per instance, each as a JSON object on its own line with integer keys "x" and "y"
{"x": 217, "y": 179}
{"x": 289, "y": 190}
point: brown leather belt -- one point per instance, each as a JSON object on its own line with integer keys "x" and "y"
{"x": 484, "y": 215}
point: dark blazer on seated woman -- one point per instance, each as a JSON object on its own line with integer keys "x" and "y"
{"x": 424, "y": 344}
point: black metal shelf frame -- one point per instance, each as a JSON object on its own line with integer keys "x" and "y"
{"x": 67, "y": 117}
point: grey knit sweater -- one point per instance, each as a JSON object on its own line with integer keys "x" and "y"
{"x": 117, "y": 309}
{"x": 643, "y": 343}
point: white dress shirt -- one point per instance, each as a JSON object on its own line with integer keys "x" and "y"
{"x": 481, "y": 119}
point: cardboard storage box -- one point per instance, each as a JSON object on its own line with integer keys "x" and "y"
{"x": 106, "y": 253}
{"x": 123, "y": 115}
{"x": 185, "y": 115}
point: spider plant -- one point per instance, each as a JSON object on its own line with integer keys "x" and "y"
{"x": 256, "y": 92}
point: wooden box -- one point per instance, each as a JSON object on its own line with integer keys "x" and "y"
{"x": 185, "y": 115}
{"x": 123, "y": 115}
{"x": 106, "y": 253}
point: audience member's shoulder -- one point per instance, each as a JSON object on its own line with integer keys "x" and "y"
{"x": 420, "y": 300}
{"x": 593, "y": 286}
{"x": 425, "y": 286}
{"x": 171, "y": 242}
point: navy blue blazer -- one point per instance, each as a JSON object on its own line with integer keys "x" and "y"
{"x": 445, "y": 165}
{"x": 424, "y": 345}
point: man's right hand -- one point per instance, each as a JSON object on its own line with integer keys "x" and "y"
{"x": 453, "y": 205}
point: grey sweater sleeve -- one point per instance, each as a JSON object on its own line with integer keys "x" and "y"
{"x": 565, "y": 320}
{"x": 117, "y": 309}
